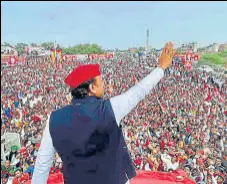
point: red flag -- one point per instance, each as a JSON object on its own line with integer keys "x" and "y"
{"x": 137, "y": 143}
{"x": 147, "y": 143}
{"x": 134, "y": 79}
{"x": 208, "y": 97}
{"x": 217, "y": 94}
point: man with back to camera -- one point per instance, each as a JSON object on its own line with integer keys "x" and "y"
{"x": 86, "y": 133}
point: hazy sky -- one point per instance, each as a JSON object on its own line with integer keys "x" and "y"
{"x": 114, "y": 24}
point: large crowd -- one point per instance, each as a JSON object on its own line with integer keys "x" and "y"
{"x": 180, "y": 124}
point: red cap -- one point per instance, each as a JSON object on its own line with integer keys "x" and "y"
{"x": 81, "y": 74}
{"x": 37, "y": 145}
{"x": 22, "y": 149}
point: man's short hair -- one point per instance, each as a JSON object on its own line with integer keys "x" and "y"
{"x": 82, "y": 90}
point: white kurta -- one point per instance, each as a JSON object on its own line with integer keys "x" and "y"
{"x": 121, "y": 106}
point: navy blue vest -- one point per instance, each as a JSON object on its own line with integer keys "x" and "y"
{"x": 90, "y": 143}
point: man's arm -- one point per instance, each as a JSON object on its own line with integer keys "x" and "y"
{"x": 44, "y": 159}
{"x": 124, "y": 103}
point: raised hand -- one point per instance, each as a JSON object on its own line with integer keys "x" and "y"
{"x": 166, "y": 57}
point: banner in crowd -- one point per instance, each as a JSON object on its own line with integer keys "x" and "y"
{"x": 69, "y": 57}
{"x": 10, "y": 60}
{"x": 143, "y": 177}
{"x": 101, "y": 56}
{"x": 8, "y": 140}
{"x": 187, "y": 59}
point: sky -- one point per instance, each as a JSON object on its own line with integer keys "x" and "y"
{"x": 114, "y": 24}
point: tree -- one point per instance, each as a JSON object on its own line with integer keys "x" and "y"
{"x": 141, "y": 49}
{"x": 47, "y": 45}
{"x": 33, "y": 44}
{"x": 179, "y": 51}
{"x": 6, "y": 44}
{"x": 83, "y": 49}
{"x": 20, "y": 48}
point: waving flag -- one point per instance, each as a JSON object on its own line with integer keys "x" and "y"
{"x": 207, "y": 92}
{"x": 218, "y": 95}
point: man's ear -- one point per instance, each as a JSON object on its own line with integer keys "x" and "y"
{"x": 92, "y": 88}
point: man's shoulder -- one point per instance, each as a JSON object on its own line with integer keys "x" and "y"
{"x": 106, "y": 103}
{"x": 61, "y": 110}
{"x": 60, "y": 114}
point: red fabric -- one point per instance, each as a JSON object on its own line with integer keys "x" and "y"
{"x": 142, "y": 177}
{"x": 160, "y": 164}
{"x": 151, "y": 165}
{"x": 35, "y": 119}
{"x": 138, "y": 161}
{"x": 170, "y": 144}
{"x": 188, "y": 129}
{"x": 24, "y": 178}
{"x": 225, "y": 112}
{"x": 209, "y": 97}
{"x": 37, "y": 145}
{"x": 167, "y": 136}
{"x": 22, "y": 149}
{"x": 218, "y": 95}
{"x": 81, "y": 74}
{"x": 147, "y": 143}
{"x": 108, "y": 76}
{"x": 137, "y": 143}
{"x": 56, "y": 178}
{"x": 162, "y": 145}
{"x": 145, "y": 177}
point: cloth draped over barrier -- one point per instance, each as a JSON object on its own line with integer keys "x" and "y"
{"x": 142, "y": 177}
{"x": 174, "y": 177}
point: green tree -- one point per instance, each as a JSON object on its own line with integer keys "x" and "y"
{"x": 20, "y": 48}
{"x": 47, "y": 45}
{"x": 6, "y": 44}
{"x": 33, "y": 44}
{"x": 141, "y": 49}
{"x": 83, "y": 49}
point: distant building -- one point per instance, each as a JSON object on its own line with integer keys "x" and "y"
{"x": 132, "y": 49}
{"x": 222, "y": 47}
{"x": 212, "y": 48}
{"x": 6, "y": 49}
{"x": 189, "y": 47}
{"x": 38, "y": 50}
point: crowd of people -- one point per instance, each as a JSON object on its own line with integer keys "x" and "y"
{"x": 180, "y": 124}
